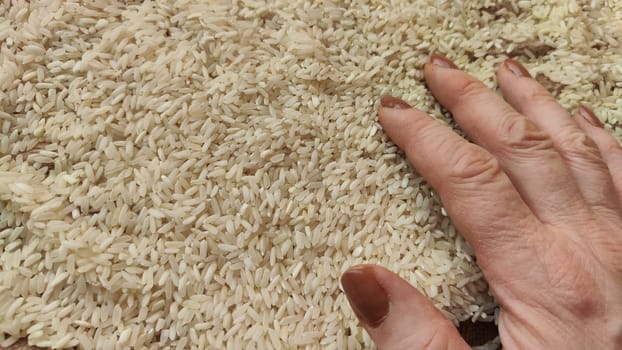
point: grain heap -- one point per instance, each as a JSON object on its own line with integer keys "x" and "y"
{"x": 183, "y": 174}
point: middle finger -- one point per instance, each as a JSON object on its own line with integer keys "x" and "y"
{"x": 525, "y": 152}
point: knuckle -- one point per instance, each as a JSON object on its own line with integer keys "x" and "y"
{"x": 428, "y": 131}
{"x": 473, "y": 165}
{"x": 539, "y": 96}
{"x": 522, "y": 135}
{"x": 576, "y": 144}
{"x": 471, "y": 89}
{"x": 424, "y": 132}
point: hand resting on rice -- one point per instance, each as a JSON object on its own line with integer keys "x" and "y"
{"x": 538, "y": 195}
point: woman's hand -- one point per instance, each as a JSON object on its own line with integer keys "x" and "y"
{"x": 538, "y": 196}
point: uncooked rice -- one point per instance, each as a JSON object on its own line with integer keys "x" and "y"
{"x": 191, "y": 174}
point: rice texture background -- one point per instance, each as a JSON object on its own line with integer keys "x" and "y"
{"x": 198, "y": 174}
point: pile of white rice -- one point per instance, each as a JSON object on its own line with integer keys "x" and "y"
{"x": 198, "y": 174}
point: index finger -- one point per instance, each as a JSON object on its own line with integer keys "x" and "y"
{"x": 477, "y": 194}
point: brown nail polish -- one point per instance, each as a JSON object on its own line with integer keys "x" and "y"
{"x": 516, "y": 68}
{"x": 368, "y": 299}
{"x": 442, "y": 61}
{"x": 590, "y": 117}
{"x": 393, "y": 102}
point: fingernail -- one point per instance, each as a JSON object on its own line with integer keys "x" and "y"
{"x": 393, "y": 102}
{"x": 442, "y": 61}
{"x": 368, "y": 299}
{"x": 516, "y": 68}
{"x": 590, "y": 117}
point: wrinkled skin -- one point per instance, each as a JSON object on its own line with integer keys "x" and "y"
{"x": 538, "y": 195}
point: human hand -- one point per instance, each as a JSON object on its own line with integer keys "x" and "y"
{"x": 538, "y": 197}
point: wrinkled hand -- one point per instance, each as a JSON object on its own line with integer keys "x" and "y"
{"x": 539, "y": 199}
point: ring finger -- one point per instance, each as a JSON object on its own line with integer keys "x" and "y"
{"x": 609, "y": 147}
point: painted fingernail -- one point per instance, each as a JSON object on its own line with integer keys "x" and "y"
{"x": 368, "y": 299}
{"x": 393, "y": 102}
{"x": 516, "y": 68}
{"x": 590, "y": 117}
{"x": 442, "y": 61}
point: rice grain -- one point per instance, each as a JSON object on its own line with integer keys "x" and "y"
{"x": 183, "y": 174}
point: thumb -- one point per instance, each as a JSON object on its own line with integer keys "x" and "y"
{"x": 395, "y": 314}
